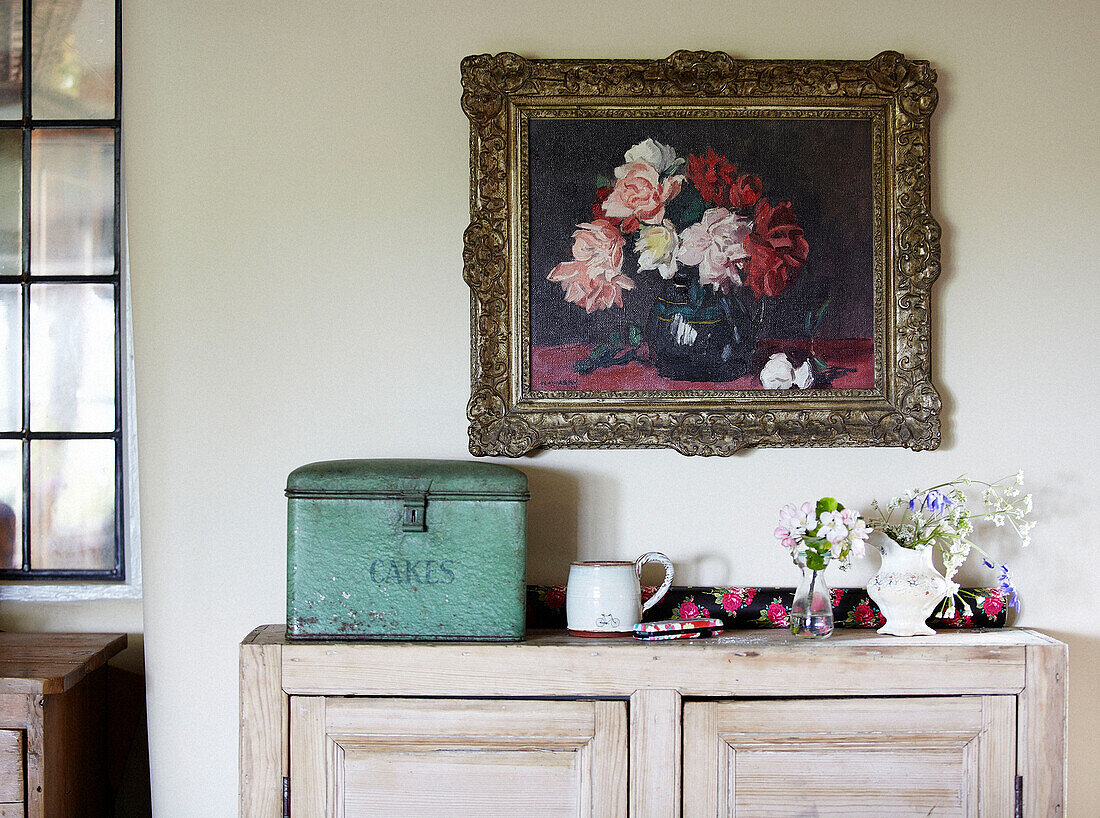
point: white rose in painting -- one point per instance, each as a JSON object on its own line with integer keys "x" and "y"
{"x": 656, "y": 247}
{"x": 717, "y": 244}
{"x": 653, "y": 152}
{"x": 804, "y": 376}
{"x": 778, "y": 372}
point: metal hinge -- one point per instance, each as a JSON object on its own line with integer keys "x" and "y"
{"x": 286, "y": 797}
{"x": 1019, "y": 797}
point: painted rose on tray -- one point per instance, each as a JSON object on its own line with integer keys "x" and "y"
{"x": 721, "y": 249}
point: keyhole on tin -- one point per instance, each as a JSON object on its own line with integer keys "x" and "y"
{"x": 413, "y": 519}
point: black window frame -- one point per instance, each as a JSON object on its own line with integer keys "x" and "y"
{"x": 28, "y": 124}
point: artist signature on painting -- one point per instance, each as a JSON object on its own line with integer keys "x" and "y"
{"x": 566, "y": 382}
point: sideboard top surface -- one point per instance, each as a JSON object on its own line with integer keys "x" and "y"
{"x": 744, "y": 663}
{"x": 52, "y": 662}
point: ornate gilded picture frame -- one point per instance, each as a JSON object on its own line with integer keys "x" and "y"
{"x": 700, "y": 253}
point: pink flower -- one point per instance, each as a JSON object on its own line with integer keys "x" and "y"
{"x": 838, "y": 594}
{"x": 993, "y": 604}
{"x": 555, "y": 596}
{"x": 750, "y": 595}
{"x": 717, "y": 245}
{"x": 864, "y": 614}
{"x": 593, "y": 279}
{"x": 688, "y": 609}
{"x": 639, "y": 192}
{"x": 732, "y": 600}
{"x": 629, "y": 225}
{"x": 793, "y": 523}
{"x": 777, "y": 614}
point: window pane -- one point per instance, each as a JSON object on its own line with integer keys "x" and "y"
{"x": 73, "y": 504}
{"x": 72, "y": 202}
{"x": 11, "y": 358}
{"x": 11, "y": 504}
{"x": 72, "y": 358}
{"x": 11, "y": 59}
{"x": 11, "y": 202}
{"x": 73, "y": 60}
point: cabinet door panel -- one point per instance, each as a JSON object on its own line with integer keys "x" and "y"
{"x": 354, "y": 758}
{"x": 850, "y": 758}
{"x": 11, "y": 773}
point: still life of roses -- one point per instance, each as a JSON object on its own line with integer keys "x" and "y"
{"x": 708, "y": 227}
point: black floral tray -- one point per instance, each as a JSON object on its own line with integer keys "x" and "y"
{"x": 744, "y": 607}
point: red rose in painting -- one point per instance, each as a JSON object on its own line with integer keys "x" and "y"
{"x": 688, "y": 609}
{"x": 777, "y": 614}
{"x": 993, "y": 604}
{"x": 648, "y": 591}
{"x": 864, "y": 614}
{"x": 745, "y": 191}
{"x": 750, "y": 595}
{"x": 555, "y": 596}
{"x": 712, "y": 175}
{"x": 838, "y": 594}
{"x": 717, "y": 181}
{"x": 776, "y": 249}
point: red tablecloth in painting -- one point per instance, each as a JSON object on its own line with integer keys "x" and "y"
{"x": 552, "y": 369}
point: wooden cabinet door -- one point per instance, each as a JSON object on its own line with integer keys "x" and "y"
{"x": 358, "y": 757}
{"x": 11, "y": 774}
{"x": 850, "y": 758}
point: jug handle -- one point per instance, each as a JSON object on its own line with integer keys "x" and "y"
{"x": 654, "y": 556}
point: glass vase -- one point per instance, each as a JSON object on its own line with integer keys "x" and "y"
{"x": 812, "y": 609}
{"x": 698, "y": 333}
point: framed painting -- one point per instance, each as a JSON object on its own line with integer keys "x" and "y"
{"x": 700, "y": 253}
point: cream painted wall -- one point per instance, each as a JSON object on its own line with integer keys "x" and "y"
{"x": 298, "y": 191}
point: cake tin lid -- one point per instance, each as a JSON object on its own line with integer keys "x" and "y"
{"x": 387, "y": 478}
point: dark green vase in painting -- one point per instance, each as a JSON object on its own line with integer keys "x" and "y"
{"x": 699, "y": 333}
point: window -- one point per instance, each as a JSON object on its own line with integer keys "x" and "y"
{"x": 62, "y": 442}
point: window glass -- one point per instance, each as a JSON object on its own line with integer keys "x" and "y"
{"x": 72, "y": 201}
{"x": 72, "y": 504}
{"x": 73, "y": 59}
{"x": 72, "y": 365}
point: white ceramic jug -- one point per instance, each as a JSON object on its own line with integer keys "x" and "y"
{"x": 604, "y": 597}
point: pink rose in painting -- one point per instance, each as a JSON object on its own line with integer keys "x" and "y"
{"x": 749, "y": 594}
{"x": 776, "y": 248}
{"x": 628, "y": 225}
{"x": 777, "y": 614}
{"x": 838, "y": 594}
{"x": 717, "y": 245}
{"x": 593, "y": 279}
{"x": 864, "y": 614}
{"x": 688, "y": 609}
{"x": 555, "y": 596}
{"x": 993, "y": 604}
{"x": 640, "y": 193}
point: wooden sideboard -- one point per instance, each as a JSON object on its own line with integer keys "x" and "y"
{"x": 53, "y": 723}
{"x": 752, "y": 723}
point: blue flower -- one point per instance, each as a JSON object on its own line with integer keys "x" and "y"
{"x": 935, "y": 501}
{"x": 1004, "y": 581}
